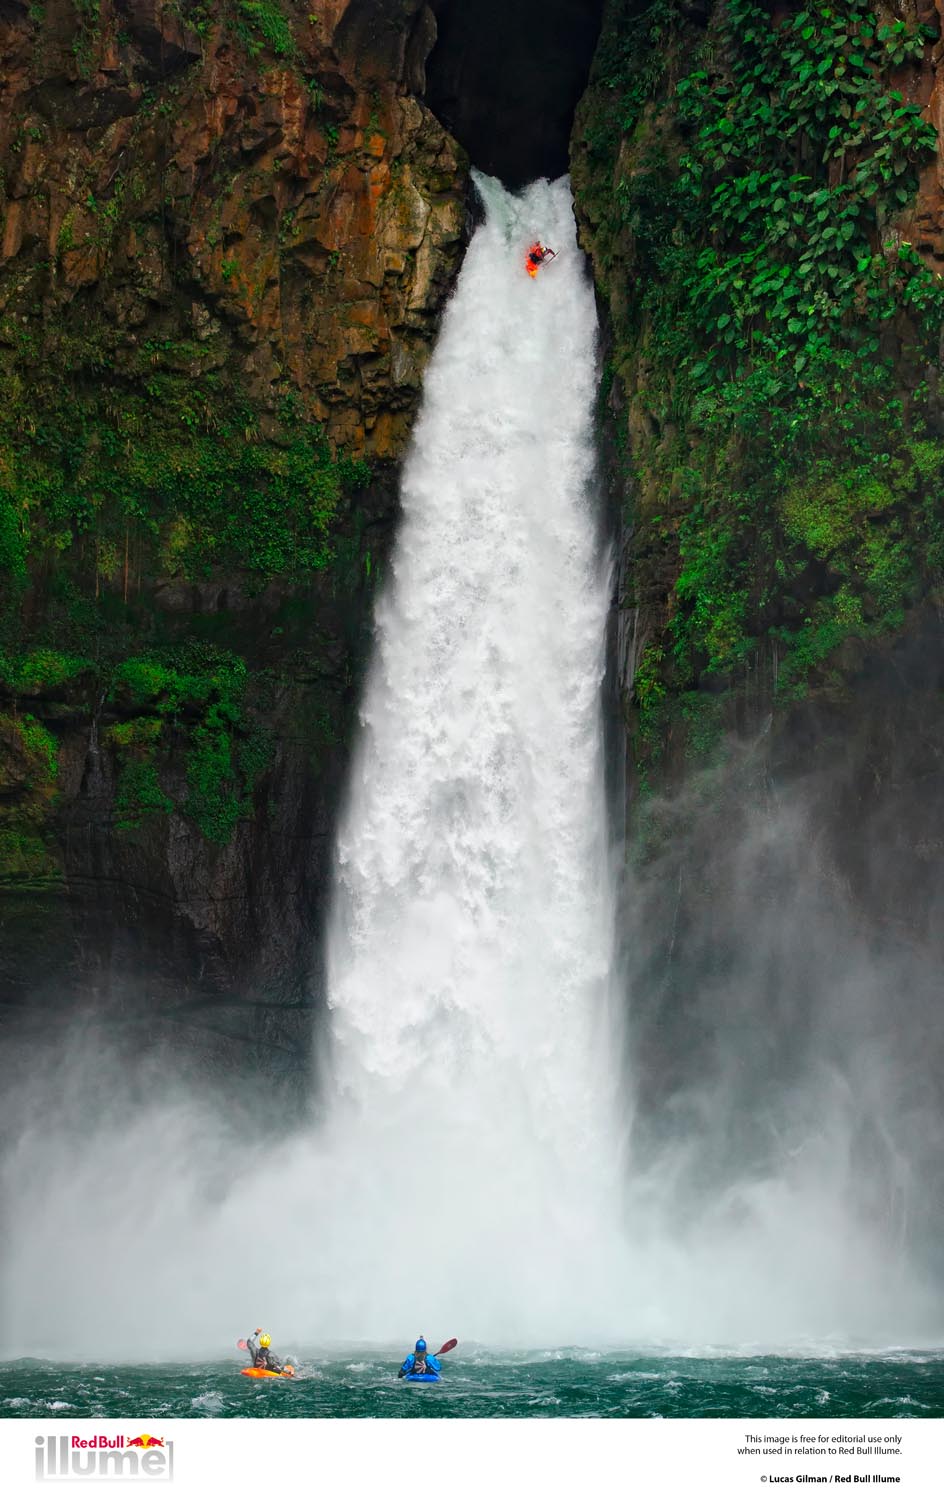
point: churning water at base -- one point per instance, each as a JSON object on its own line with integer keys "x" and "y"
{"x": 484, "y": 1382}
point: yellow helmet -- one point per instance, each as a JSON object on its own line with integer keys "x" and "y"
{"x": 265, "y": 1341}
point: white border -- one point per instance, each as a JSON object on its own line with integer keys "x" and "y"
{"x": 580, "y": 1459}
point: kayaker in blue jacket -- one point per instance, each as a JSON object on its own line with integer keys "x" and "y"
{"x": 419, "y": 1362}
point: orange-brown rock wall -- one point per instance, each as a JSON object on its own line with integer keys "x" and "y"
{"x": 167, "y": 166}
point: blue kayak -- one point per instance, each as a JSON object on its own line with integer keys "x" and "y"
{"x": 427, "y": 1379}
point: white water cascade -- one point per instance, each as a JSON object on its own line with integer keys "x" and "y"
{"x": 470, "y": 948}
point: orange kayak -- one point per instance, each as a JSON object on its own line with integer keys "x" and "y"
{"x": 255, "y": 1373}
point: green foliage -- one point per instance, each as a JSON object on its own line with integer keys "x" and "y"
{"x": 772, "y": 314}
{"x": 263, "y": 23}
{"x": 128, "y": 457}
{"x": 649, "y": 691}
{"x": 198, "y": 15}
{"x": 26, "y": 860}
{"x": 629, "y": 67}
{"x": 41, "y": 747}
{"x": 832, "y": 621}
{"x": 13, "y": 541}
{"x": 254, "y": 751}
{"x": 795, "y": 142}
{"x": 826, "y": 510}
{"x": 189, "y": 678}
{"x": 928, "y": 458}
{"x": 702, "y": 716}
{"x": 213, "y": 802}
{"x": 178, "y": 455}
{"x": 135, "y": 734}
{"x": 138, "y": 795}
{"x": 202, "y": 691}
{"x": 89, "y": 16}
{"x": 40, "y": 669}
{"x": 169, "y": 464}
{"x": 195, "y": 694}
{"x": 710, "y": 593}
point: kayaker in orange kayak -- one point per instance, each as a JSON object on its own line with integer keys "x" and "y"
{"x": 536, "y": 257}
{"x": 262, "y": 1356}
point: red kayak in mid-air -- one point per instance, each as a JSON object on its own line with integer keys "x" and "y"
{"x": 536, "y": 257}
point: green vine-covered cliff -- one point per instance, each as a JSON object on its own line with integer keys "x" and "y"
{"x": 758, "y": 187}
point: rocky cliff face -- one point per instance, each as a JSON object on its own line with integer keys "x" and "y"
{"x": 760, "y": 192}
{"x": 772, "y": 271}
{"x": 277, "y": 168}
{"x": 227, "y": 232}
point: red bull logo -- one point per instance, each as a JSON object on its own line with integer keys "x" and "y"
{"x": 104, "y": 1456}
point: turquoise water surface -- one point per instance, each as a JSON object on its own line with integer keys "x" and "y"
{"x": 482, "y": 1383}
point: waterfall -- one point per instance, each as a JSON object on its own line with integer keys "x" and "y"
{"x": 470, "y": 946}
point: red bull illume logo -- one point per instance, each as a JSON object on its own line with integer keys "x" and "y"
{"x": 101, "y": 1457}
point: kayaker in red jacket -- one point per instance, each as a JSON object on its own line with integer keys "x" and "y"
{"x": 536, "y": 257}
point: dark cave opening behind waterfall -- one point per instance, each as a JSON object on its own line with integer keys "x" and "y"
{"x": 506, "y": 80}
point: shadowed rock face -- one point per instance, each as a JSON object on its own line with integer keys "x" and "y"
{"x": 386, "y": 39}
{"x": 287, "y": 221}
{"x": 506, "y": 78}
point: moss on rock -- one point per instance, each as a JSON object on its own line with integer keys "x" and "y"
{"x": 745, "y": 181}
